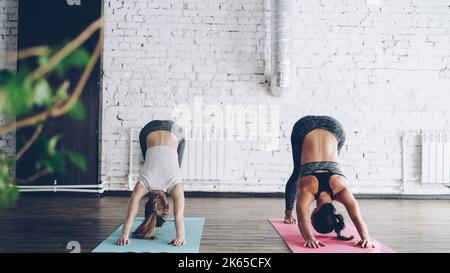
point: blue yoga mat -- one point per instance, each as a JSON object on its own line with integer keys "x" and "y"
{"x": 166, "y": 233}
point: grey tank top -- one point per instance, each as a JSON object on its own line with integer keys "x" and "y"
{"x": 161, "y": 170}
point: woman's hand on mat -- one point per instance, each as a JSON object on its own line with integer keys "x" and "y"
{"x": 123, "y": 240}
{"x": 313, "y": 243}
{"x": 365, "y": 243}
{"x": 178, "y": 241}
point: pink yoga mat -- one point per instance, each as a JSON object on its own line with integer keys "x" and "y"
{"x": 291, "y": 235}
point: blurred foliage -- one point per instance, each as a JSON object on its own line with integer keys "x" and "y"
{"x": 8, "y": 192}
{"x": 22, "y": 95}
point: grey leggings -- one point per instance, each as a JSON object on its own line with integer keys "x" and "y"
{"x": 300, "y": 130}
{"x": 163, "y": 125}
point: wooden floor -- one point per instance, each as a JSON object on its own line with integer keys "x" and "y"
{"x": 47, "y": 224}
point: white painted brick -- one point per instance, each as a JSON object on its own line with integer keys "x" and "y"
{"x": 8, "y": 43}
{"x": 380, "y": 70}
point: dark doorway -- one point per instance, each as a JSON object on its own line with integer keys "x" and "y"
{"x": 52, "y": 23}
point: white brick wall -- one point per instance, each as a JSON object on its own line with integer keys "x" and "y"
{"x": 381, "y": 68}
{"x": 8, "y": 30}
{"x": 8, "y": 43}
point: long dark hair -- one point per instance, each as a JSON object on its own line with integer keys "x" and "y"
{"x": 156, "y": 213}
{"x": 325, "y": 220}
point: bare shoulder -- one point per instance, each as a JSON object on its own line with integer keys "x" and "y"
{"x": 337, "y": 184}
{"x": 308, "y": 184}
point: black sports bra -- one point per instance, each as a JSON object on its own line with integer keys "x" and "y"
{"x": 324, "y": 183}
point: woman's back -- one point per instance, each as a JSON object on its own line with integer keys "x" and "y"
{"x": 162, "y": 138}
{"x": 319, "y": 145}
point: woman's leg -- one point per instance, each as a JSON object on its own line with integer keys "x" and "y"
{"x": 180, "y": 150}
{"x": 179, "y": 132}
{"x": 154, "y": 126}
{"x": 291, "y": 185}
{"x": 332, "y": 125}
{"x": 143, "y": 139}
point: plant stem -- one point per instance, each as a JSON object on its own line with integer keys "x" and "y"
{"x": 61, "y": 109}
{"x": 32, "y": 178}
{"x": 67, "y": 50}
{"x": 25, "y": 53}
{"x": 30, "y": 142}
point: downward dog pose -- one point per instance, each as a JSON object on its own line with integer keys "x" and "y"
{"x": 316, "y": 142}
{"x": 162, "y": 144}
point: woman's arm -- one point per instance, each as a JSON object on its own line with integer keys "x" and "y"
{"x": 177, "y": 195}
{"x": 349, "y": 201}
{"x": 305, "y": 198}
{"x": 133, "y": 207}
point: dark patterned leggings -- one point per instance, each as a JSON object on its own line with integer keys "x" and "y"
{"x": 301, "y": 128}
{"x": 163, "y": 125}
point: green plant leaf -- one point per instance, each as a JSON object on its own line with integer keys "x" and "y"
{"x": 16, "y": 96}
{"x": 77, "y": 112}
{"x": 16, "y": 104}
{"x": 11, "y": 161}
{"x": 3, "y": 102}
{"x": 77, "y": 159}
{"x": 8, "y": 195}
{"x": 42, "y": 93}
{"x": 60, "y": 69}
{"x": 42, "y": 60}
{"x": 4, "y": 170}
{"x": 5, "y": 75}
{"x": 51, "y": 145}
{"x": 78, "y": 58}
{"x": 55, "y": 164}
{"x": 61, "y": 93}
{"x": 41, "y": 147}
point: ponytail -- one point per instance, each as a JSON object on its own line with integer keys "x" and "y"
{"x": 156, "y": 213}
{"x": 339, "y": 226}
{"x": 145, "y": 230}
{"x": 325, "y": 220}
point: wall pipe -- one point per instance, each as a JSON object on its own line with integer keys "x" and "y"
{"x": 281, "y": 33}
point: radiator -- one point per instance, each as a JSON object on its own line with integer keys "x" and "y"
{"x": 203, "y": 159}
{"x": 436, "y": 158}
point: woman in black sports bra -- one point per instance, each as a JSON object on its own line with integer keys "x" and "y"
{"x": 316, "y": 143}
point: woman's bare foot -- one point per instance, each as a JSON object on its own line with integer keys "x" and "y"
{"x": 288, "y": 218}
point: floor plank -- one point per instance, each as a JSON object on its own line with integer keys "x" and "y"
{"x": 47, "y": 224}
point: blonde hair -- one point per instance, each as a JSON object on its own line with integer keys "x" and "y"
{"x": 157, "y": 211}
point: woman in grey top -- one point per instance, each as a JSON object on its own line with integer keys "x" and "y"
{"x": 162, "y": 145}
